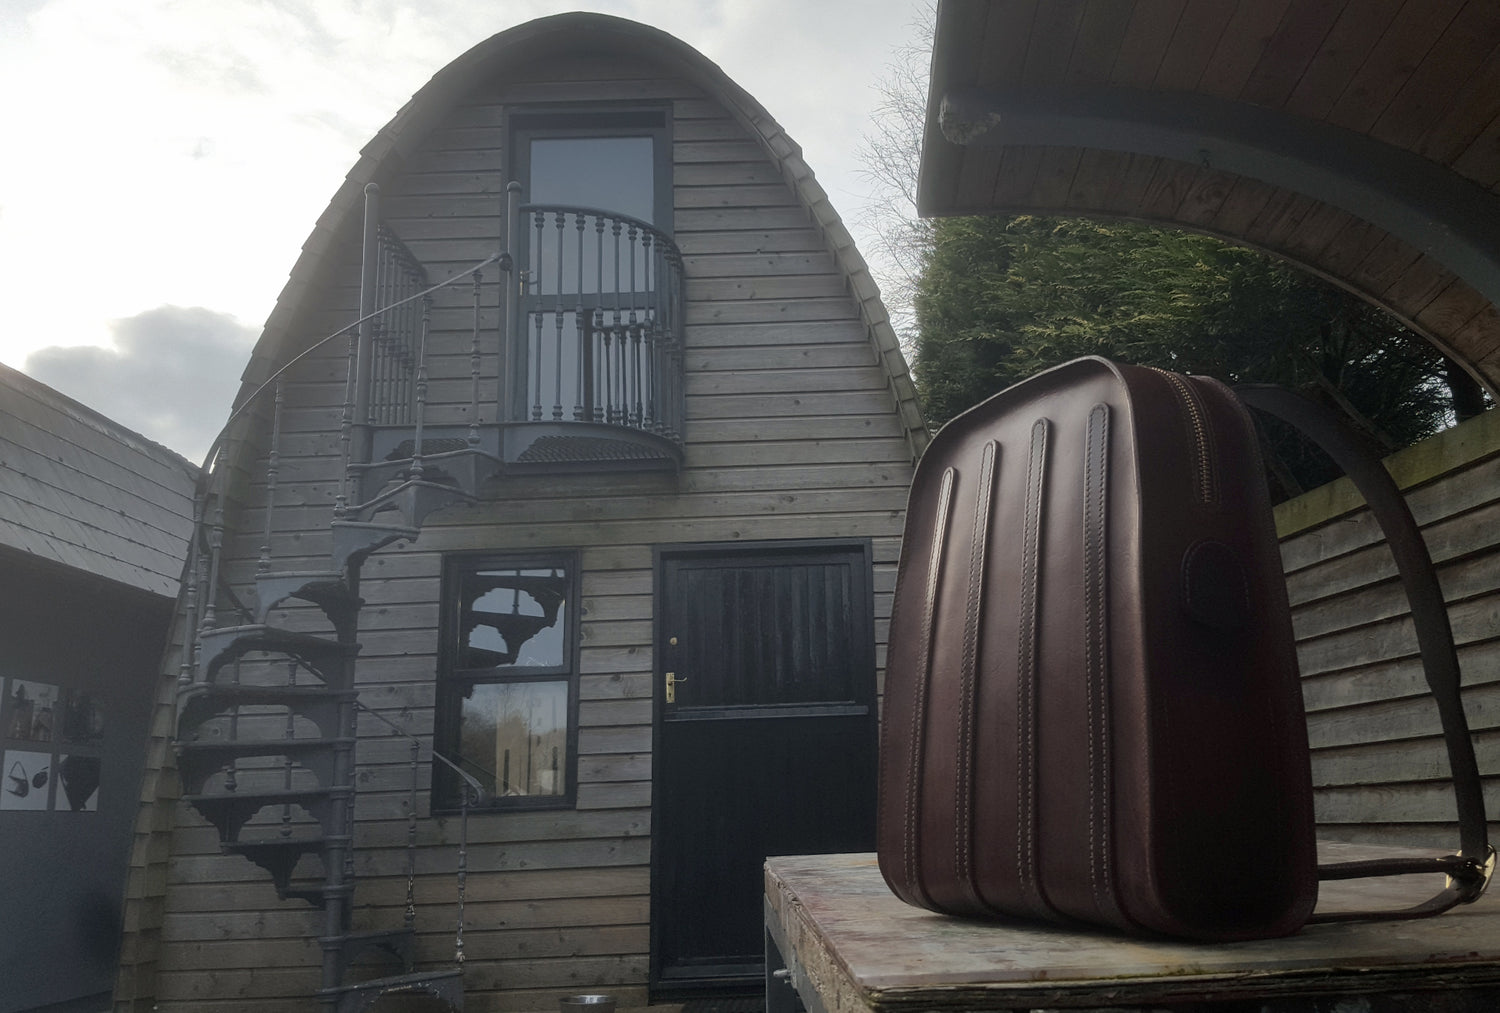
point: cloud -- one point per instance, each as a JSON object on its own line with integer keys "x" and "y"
{"x": 170, "y": 375}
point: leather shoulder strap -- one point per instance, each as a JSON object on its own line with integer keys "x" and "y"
{"x": 1470, "y": 870}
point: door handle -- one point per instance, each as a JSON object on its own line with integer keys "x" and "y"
{"x": 672, "y": 680}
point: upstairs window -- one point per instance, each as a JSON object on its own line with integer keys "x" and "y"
{"x": 598, "y": 187}
{"x": 508, "y": 688}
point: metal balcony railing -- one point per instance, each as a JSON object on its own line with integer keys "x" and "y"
{"x": 598, "y": 327}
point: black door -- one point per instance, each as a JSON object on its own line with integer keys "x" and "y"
{"x": 765, "y": 740}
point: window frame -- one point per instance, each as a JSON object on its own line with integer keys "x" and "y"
{"x": 525, "y": 123}
{"x": 453, "y": 679}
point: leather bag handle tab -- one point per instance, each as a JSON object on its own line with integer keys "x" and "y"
{"x": 1469, "y": 871}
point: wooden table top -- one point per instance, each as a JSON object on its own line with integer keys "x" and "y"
{"x": 850, "y": 940}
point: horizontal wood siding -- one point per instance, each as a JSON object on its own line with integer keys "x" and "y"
{"x": 792, "y": 432}
{"x": 1380, "y": 767}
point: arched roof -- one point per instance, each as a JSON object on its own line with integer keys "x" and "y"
{"x": 1357, "y": 138}
{"x": 527, "y": 46}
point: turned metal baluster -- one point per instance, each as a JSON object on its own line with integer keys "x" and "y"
{"x": 413, "y": 320}
{"x": 560, "y": 220}
{"x": 215, "y": 550}
{"x": 474, "y": 362}
{"x": 652, "y": 259}
{"x": 672, "y": 366}
{"x": 536, "y": 365}
{"x": 615, "y": 401}
{"x": 600, "y": 362}
{"x": 273, "y": 460}
{"x": 346, "y": 432}
{"x": 379, "y": 341}
{"x": 417, "y": 468}
{"x": 633, "y": 361}
{"x": 409, "y": 918}
{"x": 579, "y": 326}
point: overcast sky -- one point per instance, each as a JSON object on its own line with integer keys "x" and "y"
{"x": 161, "y": 161}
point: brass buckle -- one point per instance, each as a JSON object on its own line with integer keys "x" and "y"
{"x": 1484, "y": 871}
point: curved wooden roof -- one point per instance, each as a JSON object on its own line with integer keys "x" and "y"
{"x": 1359, "y": 139}
{"x": 516, "y": 52}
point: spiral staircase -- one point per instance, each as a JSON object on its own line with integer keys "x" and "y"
{"x": 266, "y": 738}
{"x": 268, "y": 698}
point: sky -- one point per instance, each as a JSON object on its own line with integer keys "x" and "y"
{"x": 162, "y": 161}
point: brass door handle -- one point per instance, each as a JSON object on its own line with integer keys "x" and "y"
{"x": 672, "y": 680}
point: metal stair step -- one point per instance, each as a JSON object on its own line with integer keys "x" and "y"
{"x": 279, "y": 857}
{"x": 198, "y": 761}
{"x": 399, "y": 945}
{"x": 230, "y": 811}
{"x": 204, "y": 701}
{"x": 446, "y": 985}
{"x": 353, "y": 540}
{"x": 328, "y": 589}
{"x": 324, "y": 655}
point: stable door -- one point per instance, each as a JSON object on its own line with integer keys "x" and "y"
{"x": 765, "y": 740}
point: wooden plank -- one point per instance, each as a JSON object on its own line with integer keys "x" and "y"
{"x": 1472, "y": 621}
{"x": 792, "y": 286}
{"x": 1246, "y": 199}
{"x": 1315, "y": 232}
{"x": 1145, "y": 43}
{"x": 988, "y": 41}
{"x": 759, "y": 172}
{"x": 1168, "y": 188}
{"x": 1464, "y": 579}
{"x": 1392, "y": 679}
{"x": 1291, "y": 50}
{"x": 1444, "y": 79}
{"x": 1451, "y": 308}
{"x": 1097, "y": 44}
{"x": 1241, "y": 47}
{"x": 1097, "y": 177}
{"x": 866, "y": 950}
{"x": 1446, "y": 540}
{"x": 743, "y": 196}
{"x": 1391, "y": 63}
{"x": 1406, "y": 803}
{"x": 1405, "y": 760}
{"x": 1194, "y": 40}
{"x": 1054, "y": 177}
{"x": 767, "y": 310}
{"x": 1205, "y": 197}
{"x": 1354, "y": 34}
{"x": 1398, "y": 720}
{"x": 1054, "y": 26}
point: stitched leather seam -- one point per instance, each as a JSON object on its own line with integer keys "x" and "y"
{"x": 919, "y": 705}
{"x": 963, "y": 836}
{"x": 1026, "y": 648}
{"x": 1096, "y": 466}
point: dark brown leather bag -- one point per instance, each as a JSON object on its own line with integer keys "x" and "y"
{"x": 1092, "y": 708}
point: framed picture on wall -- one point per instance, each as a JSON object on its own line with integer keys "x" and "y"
{"x": 27, "y": 779}
{"x": 31, "y": 710}
{"x": 81, "y": 718}
{"x": 78, "y": 783}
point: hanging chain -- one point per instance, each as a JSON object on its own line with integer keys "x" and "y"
{"x": 463, "y": 873}
{"x": 411, "y": 840}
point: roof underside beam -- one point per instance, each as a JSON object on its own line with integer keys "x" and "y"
{"x": 1435, "y": 210}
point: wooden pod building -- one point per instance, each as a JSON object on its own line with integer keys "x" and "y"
{"x": 542, "y": 572}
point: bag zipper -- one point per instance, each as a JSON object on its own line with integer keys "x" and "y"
{"x": 1200, "y": 434}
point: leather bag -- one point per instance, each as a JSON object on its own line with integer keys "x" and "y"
{"x": 1092, "y": 706}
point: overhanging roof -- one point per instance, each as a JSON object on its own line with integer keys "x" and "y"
{"x": 1357, "y": 138}
{"x": 81, "y": 491}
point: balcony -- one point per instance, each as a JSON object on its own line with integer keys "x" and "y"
{"x": 585, "y": 365}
